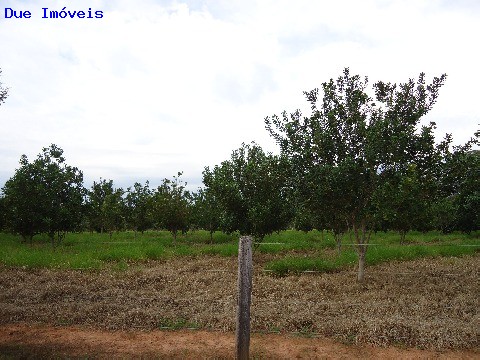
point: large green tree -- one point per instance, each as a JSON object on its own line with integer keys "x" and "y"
{"x": 251, "y": 192}
{"x": 342, "y": 153}
{"x": 44, "y": 196}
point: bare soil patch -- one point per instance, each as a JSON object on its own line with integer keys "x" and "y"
{"x": 429, "y": 304}
{"x": 41, "y": 341}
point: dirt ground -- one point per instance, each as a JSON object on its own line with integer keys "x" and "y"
{"x": 41, "y": 341}
{"x": 419, "y": 309}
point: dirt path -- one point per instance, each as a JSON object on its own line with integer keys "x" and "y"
{"x": 41, "y": 341}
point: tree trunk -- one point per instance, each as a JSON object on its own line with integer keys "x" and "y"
{"x": 362, "y": 250}
{"x": 338, "y": 241}
{"x": 362, "y": 239}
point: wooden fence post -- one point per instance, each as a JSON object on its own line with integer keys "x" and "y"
{"x": 245, "y": 269}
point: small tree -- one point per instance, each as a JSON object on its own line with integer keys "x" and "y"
{"x": 404, "y": 202}
{"x": 251, "y": 191}
{"x": 468, "y": 200}
{"x": 138, "y": 201}
{"x": 44, "y": 196}
{"x": 23, "y": 216}
{"x": 205, "y": 212}
{"x": 96, "y": 198}
{"x": 113, "y": 211}
{"x": 106, "y": 208}
{"x": 458, "y": 187}
{"x": 170, "y": 206}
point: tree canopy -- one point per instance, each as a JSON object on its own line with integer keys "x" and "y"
{"x": 361, "y": 161}
{"x": 44, "y": 196}
{"x": 352, "y": 143}
{"x": 170, "y": 206}
{"x": 138, "y": 207}
{"x": 251, "y": 191}
{"x": 205, "y": 212}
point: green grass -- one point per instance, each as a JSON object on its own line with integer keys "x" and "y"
{"x": 92, "y": 250}
{"x": 95, "y": 251}
{"x": 228, "y": 250}
{"x": 296, "y": 240}
{"x": 176, "y": 324}
{"x": 375, "y": 255}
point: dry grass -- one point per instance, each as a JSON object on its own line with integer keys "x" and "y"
{"x": 428, "y": 303}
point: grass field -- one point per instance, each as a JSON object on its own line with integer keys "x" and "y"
{"x": 422, "y": 294}
{"x": 295, "y": 251}
{"x": 429, "y": 303}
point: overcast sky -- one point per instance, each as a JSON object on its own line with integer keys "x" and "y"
{"x": 158, "y": 86}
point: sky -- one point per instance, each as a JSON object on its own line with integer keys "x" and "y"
{"x": 155, "y": 87}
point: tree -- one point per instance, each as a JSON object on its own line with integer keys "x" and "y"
{"x": 96, "y": 197}
{"x": 3, "y": 92}
{"x": 205, "y": 213}
{"x": 170, "y": 208}
{"x": 138, "y": 201}
{"x": 468, "y": 199}
{"x": 113, "y": 211}
{"x": 403, "y": 202}
{"x": 44, "y": 196}
{"x": 2, "y": 213}
{"x": 459, "y": 194}
{"x": 105, "y": 207}
{"x": 251, "y": 191}
{"x": 343, "y": 152}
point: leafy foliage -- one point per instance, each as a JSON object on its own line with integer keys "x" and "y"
{"x": 170, "y": 206}
{"x": 3, "y": 213}
{"x": 468, "y": 199}
{"x": 403, "y": 201}
{"x": 352, "y": 144}
{"x": 138, "y": 204}
{"x": 205, "y": 213}
{"x": 251, "y": 191}
{"x": 96, "y": 198}
{"x": 113, "y": 211}
{"x": 44, "y": 196}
